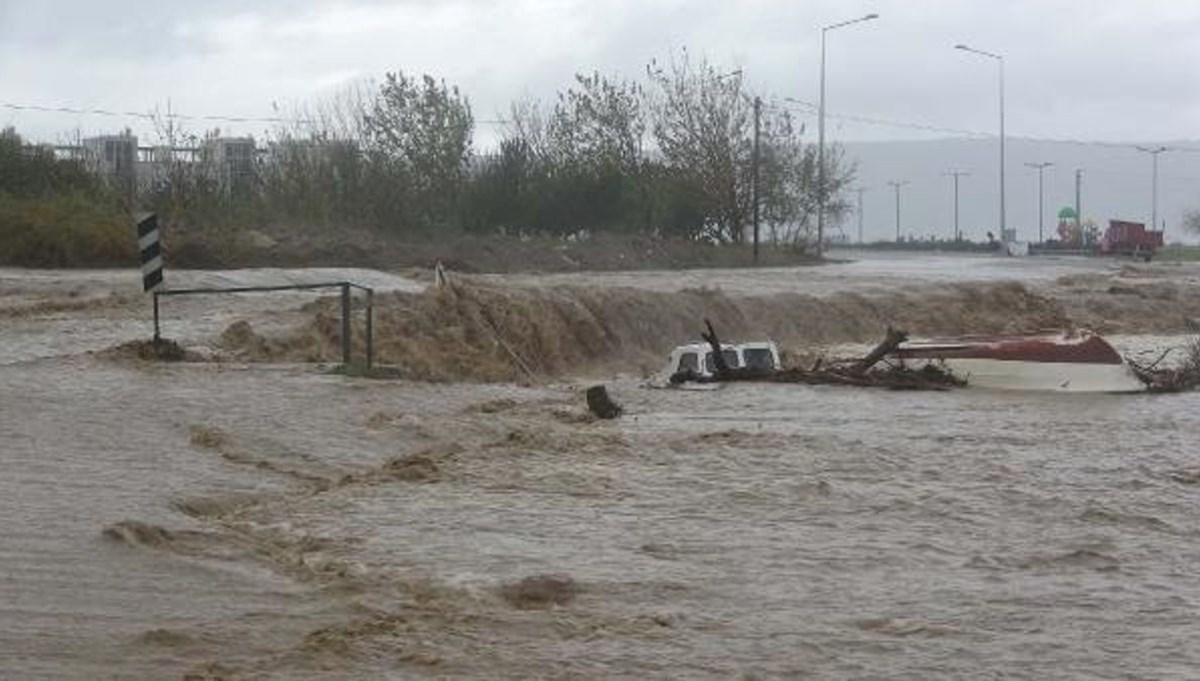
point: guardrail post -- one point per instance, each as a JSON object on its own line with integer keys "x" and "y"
{"x": 370, "y": 327}
{"x": 346, "y": 324}
{"x": 157, "y": 334}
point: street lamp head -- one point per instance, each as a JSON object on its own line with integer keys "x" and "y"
{"x": 985, "y": 53}
{"x": 847, "y": 23}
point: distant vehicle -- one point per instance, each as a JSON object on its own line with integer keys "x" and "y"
{"x": 695, "y": 361}
{"x": 1130, "y": 238}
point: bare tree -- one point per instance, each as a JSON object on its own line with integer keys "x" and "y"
{"x": 529, "y": 124}
{"x": 703, "y": 127}
{"x": 341, "y": 116}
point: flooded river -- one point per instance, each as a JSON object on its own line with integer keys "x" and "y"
{"x": 225, "y": 520}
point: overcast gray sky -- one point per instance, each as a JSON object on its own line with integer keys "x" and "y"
{"x": 1115, "y": 70}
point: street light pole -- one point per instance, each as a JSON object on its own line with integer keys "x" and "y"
{"x": 821, "y": 133}
{"x": 757, "y": 117}
{"x": 859, "y": 191}
{"x": 1154, "y": 152}
{"x": 1041, "y": 206}
{"x": 1000, "y": 61}
{"x": 897, "y": 184}
{"x": 956, "y": 174}
{"x": 1078, "y": 206}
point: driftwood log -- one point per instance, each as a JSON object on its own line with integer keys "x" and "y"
{"x": 864, "y": 372}
{"x": 1183, "y": 377}
{"x": 892, "y": 341}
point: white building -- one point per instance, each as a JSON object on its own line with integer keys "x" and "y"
{"x": 113, "y": 157}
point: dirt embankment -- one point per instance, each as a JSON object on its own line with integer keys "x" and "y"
{"x": 475, "y": 331}
{"x": 479, "y": 331}
{"x": 464, "y": 252}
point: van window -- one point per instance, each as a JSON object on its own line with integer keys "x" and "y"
{"x": 731, "y": 359}
{"x": 759, "y": 358}
{"x": 688, "y": 361}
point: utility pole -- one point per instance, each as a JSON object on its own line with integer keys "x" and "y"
{"x": 1041, "y": 205}
{"x": 859, "y": 191}
{"x": 1078, "y": 205}
{"x": 956, "y": 174}
{"x": 757, "y": 117}
{"x": 897, "y": 184}
{"x": 1154, "y": 152}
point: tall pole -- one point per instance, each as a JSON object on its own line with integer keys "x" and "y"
{"x": 1000, "y": 62}
{"x": 1003, "y": 202}
{"x": 821, "y": 154}
{"x": 757, "y": 117}
{"x": 956, "y": 206}
{"x": 1154, "y": 152}
{"x": 1041, "y": 203}
{"x": 1078, "y": 205}
{"x": 860, "y": 191}
{"x": 897, "y": 184}
{"x": 956, "y": 174}
{"x": 1154, "y": 191}
{"x": 821, "y": 134}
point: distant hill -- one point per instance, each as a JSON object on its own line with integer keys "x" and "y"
{"x": 1116, "y": 184}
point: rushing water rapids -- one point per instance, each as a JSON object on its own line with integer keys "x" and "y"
{"x": 267, "y": 520}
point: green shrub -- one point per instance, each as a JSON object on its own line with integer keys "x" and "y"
{"x": 69, "y": 229}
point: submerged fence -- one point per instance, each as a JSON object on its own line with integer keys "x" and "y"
{"x": 345, "y": 287}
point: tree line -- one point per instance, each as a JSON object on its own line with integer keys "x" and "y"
{"x": 55, "y": 212}
{"x": 671, "y": 154}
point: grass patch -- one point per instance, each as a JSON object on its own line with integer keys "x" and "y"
{"x": 1179, "y": 253}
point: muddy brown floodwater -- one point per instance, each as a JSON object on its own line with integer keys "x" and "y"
{"x": 269, "y": 520}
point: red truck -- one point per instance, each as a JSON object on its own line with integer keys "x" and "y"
{"x": 1130, "y": 238}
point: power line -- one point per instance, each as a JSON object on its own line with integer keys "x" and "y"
{"x": 149, "y": 116}
{"x": 811, "y": 108}
{"x": 799, "y": 106}
{"x": 178, "y": 116}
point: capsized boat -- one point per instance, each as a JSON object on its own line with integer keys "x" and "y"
{"x": 1067, "y": 362}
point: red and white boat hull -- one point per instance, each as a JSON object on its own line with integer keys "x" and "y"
{"x": 1079, "y": 363}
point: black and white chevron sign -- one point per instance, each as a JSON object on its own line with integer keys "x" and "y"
{"x": 148, "y": 244}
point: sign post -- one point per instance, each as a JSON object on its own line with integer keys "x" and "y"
{"x": 150, "y": 252}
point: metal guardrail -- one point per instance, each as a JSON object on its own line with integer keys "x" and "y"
{"x": 345, "y": 287}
